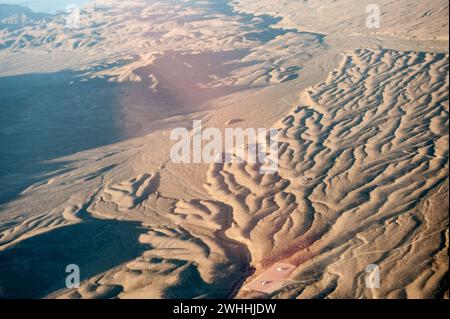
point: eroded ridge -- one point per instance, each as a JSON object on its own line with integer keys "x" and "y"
{"x": 362, "y": 180}
{"x": 182, "y": 250}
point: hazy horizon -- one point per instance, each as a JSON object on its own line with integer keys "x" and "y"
{"x": 48, "y": 6}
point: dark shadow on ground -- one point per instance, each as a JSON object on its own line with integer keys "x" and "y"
{"x": 37, "y": 266}
{"x": 48, "y": 116}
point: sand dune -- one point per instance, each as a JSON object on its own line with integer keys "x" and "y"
{"x": 363, "y": 143}
{"x": 400, "y": 19}
{"x": 357, "y": 157}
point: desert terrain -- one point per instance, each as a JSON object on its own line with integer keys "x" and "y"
{"x": 362, "y": 113}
